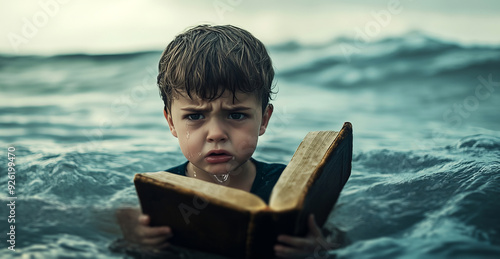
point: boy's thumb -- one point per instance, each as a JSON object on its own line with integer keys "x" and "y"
{"x": 144, "y": 220}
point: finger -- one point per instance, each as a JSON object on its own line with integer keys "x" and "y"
{"x": 155, "y": 242}
{"x": 297, "y": 242}
{"x": 153, "y": 232}
{"x": 288, "y": 252}
{"x": 314, "y": 230}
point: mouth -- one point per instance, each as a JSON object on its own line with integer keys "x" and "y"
{"x": 218, "y": 156}
{"x": 218, "y": 152}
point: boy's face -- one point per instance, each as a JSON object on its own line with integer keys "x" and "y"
{"x": 218, "y": 136}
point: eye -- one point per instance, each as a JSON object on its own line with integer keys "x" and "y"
{"x": 195, "y": 117}
{"x": 237, "y": 116}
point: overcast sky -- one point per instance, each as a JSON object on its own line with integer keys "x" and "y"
{"x": 48, "y": 27}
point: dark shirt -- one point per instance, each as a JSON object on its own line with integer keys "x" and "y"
{"x": 265, "y": 178}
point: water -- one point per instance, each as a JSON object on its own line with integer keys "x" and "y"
{"x": 425, "y": 180}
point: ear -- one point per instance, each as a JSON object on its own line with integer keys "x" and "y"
{"x": 170, "y": 122}
{"x": 265, "y": 119}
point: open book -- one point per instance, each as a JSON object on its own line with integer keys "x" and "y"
{"x": 214, "y": 218}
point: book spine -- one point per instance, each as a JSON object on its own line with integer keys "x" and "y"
{"x": 263, "y": 231}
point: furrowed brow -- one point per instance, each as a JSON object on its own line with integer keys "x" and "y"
{"x": 237, "y": 108}
{"x": 195, "y": 109}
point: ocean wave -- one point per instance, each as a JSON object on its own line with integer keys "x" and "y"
{"x": 436, "y": 203}
{"x": 72, "y": 177}
{"x": 389, "y": 161}
{"x": 396, "y": 60}
{"x": 401, "y": 58}
{"x": 6, "y": 59}
{"x": 478, "y": 142}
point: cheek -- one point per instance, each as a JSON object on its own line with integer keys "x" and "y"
{"x": 189, "y": 142}
{"x": 183, "y": 144}
{"x": 247, "y": 141}
{"x": 246, "y": 145}
{"x": 191, "y": 148}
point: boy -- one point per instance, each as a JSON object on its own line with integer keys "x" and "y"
{"x": 216, "y": 82}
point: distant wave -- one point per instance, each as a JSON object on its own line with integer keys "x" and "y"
{"x": 417, "y": 161}
{"x": 413, "y": 43}
{"x": 347, "y": 63}
{"x": 479, "y": 142}
{"x": 77, "y": 56}
{"x": 385, "y": 62}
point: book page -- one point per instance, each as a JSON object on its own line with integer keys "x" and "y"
{"x": 293, "y": 184}
{"x": 215, "y": 193}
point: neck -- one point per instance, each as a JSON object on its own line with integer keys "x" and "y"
{"x": 242, "y": 177}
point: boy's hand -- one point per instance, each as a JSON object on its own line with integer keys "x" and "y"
{"x": 314, "y": 243}
{"x": 135, "y": 228}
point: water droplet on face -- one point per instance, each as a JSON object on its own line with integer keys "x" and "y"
{"x": 199, "y": 153}
{"x": 190, "y": 155}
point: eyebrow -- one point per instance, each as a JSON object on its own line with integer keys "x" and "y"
{"x": 237, "y": 108}
{"x": 231, "y": 109}
{"x": 194, "y": 109}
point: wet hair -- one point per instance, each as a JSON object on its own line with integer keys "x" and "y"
{"x": 205, "y": 61}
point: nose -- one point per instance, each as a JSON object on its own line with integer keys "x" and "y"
{"x": 216, "y": 132}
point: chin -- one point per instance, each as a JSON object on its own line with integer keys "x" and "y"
{"x": 222, "y": 168}
{"x": 219, "y": 169}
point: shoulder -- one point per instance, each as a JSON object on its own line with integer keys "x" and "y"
{"x": 180, "y": 169}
